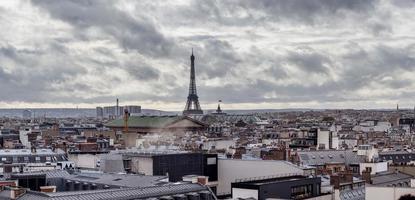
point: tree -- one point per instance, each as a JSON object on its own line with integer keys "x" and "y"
{"x": 407, "y": 197}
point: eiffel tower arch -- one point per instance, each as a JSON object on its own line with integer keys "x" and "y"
{"x": 192, "y": 104}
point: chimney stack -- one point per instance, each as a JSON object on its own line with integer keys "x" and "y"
{"x": 335, "y": 181}
{"x": 16, "y": 192}
{"x": 366, "y": 176}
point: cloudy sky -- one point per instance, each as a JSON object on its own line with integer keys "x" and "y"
{"x": 250, "y": 54}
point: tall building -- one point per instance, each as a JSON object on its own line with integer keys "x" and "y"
{"x": 27, "y": 114}
{"x": 100, "y": 112}
{"x": 192, "y": 105}
{"x": 133, "y": 110}
{"x": 117, "y": 111}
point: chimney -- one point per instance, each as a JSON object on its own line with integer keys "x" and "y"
{"x": 16, "y": 192}
{"x": 48, "y": 189}
{"x": 348, "y": 177}
{"x": 366, "y": 176}
{"x": 203, "y": 180}
{"x": 7, "y": 168}
{"x": 335, "y": 181}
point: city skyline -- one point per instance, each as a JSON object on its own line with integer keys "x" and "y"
{"x": 263, "y": 55}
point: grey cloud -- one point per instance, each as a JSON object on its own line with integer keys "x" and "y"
{"x": 246, "y": 45}
{"x": 31, "y": 80}
{"x": 360, "y": 68}
{"x": 246, "y": 12}
{"x": 310, "y": 61}
{"x": 217, "y": 58}
{"x": 131, "y": 33}
{"x": 379, "y": 29}
{"x": 309, "y": 11}
{"x": 142, "y": 72}
{"x": 404, "y": 3}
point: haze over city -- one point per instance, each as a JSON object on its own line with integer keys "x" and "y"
{"x": 249, "y": 54}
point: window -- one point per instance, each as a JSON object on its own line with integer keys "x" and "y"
{"x": 301, "y": 192}
{"x": 37, "y": 159}
{"x": 15, "y": 159}
{"x": 3, "y": 159}
{"x": 48, "y": 159}
{"x": 211, "y": 161}
{"x": 26, "y": 159}
{"x": 369, "y": 169}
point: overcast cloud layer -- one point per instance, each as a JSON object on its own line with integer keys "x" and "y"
{"x": 250, "y": 54}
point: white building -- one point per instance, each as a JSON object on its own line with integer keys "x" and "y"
{"x": 327, "y": 139}
{"x": 24, "y": 139}
{"x": 374, "y": 168}
{"x": 39, "y": 160}
{"x": 390, "y": 193}
{"x": 370, "y": 153}
{"x": 229, "y": 170}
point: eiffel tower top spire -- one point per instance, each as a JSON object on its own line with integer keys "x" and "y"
{"x": 192, "y": 104}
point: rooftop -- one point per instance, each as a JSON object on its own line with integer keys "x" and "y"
{"x": 328, "y": 156}
{"x": 119, "y": 194}
{"x": 391, "y": 179}
{"x": 149, "y": 121}
{"x": 12, "y": 152}
{"x": 121, "y": 180}
{"x": 274, "y": 180}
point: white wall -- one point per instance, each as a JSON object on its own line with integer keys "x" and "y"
{"x": 390, "y": 193}
{"x": 323, "y": 138}
{"x": 219, "y": 144}
{"x": 142, "y": 165}
{"x": 244, "y": 193}
{"x": 376, "y": 167}
{"x": 335, "y": 142}
{"x": 231, "y": 169}
{"x": 111, "y": 163}
{"x": 369, "y": 127}
{"x": 84, "y": 160}
{"x": 23, "y": 137}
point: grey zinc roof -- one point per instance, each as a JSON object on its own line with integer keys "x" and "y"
{"x": 391, "y": 178}
{"x": 117, "y": 194}
{"x": 121, "y": 180}
{"x": 48, "y": 173}
{"x": 314, "y": 158}
{"x": 395, "y": 153}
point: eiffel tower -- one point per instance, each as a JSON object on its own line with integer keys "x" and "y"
{"x": 192, "y": 105}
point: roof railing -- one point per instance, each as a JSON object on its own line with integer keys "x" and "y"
{"x": 258, "y": 178}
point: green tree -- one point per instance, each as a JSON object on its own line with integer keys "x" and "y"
{"x": 407, "y": 197}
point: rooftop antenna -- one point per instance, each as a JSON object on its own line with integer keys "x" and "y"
{"x": 117, "y": 108}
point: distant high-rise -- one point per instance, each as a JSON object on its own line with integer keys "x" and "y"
{"x": 100, "y": 112}
{"x": 192, "y": 104}
{"x": 117, "y": 111}
{"x": 27, "y": 114}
